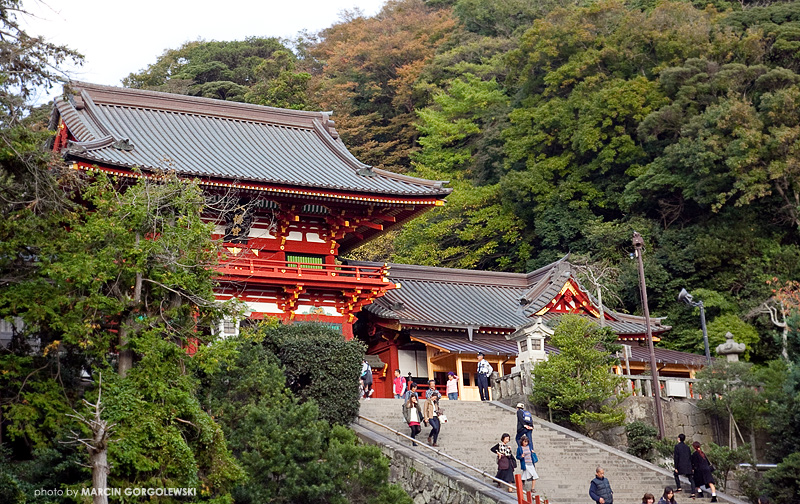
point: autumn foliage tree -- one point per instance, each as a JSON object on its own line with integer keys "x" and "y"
{"x": 368, "y": 73}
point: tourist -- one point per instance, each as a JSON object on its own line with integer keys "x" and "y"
{"x": 413, "y": 416}
{"x": 431, "y": 414}
{"x": 524, "y": 424}
{"x": 600, "y": 488}
{"x": 505, "y": 462}
{"x": 482, "y": 377}
{"x": 366, "y": 375}
{"x": 527, "y": 458}
{"x": 452, "y": 386}
{"x": 412, "y": 391}
{"x": 668, "y": 497}
{"x": 432, "y": 392}
{"x": 399, "y": 384}
{"x": 648, "y": 498}
{"x": 682, "y": 457}
{"x": 703, "y": 477}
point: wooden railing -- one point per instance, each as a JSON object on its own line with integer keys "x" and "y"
{"x": 251, "y": 266}
{"x": 642, "y": 385}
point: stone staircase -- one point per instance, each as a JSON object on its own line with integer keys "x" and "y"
{"x": 567, "y": 460}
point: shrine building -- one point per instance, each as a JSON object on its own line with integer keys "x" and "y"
{"x": 287, "y": 198}
{"x": 292, "y": 196}
{"x": 442, "y": 317}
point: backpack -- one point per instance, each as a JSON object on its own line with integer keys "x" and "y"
{"x": 527, "y": 418}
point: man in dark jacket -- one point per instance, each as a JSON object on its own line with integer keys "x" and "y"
{"x": 683, "y": 464}
{"x": 524, "y": 424}
{"x": 600, "y": 488}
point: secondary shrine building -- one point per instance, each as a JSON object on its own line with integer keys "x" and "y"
{"x": 442, "y": 317}
{"x": 287, "y": 199}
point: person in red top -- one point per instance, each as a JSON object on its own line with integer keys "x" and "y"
{"x": 399, "y": 384}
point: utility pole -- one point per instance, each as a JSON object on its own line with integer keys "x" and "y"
{"x": 638, "y": 244}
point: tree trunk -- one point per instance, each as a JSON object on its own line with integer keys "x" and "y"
{"x": 126, "y": 354}
{"x": 100, "y": 470}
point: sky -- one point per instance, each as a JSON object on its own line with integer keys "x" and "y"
{"x": 118, "y": 38}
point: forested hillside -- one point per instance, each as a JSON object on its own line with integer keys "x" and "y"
{"x": 562, "y": 128}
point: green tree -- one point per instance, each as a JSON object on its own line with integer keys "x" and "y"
{"x": 117, "y": 284}
{"x": 319, "y": 365}
{"x": 289, "y": 453}
{"x": 642, "y": 438}
{"x": 730, "y": 391}
{"x": 255, "y": 70}
{"x": 727, "y": 459}
{"x": 782, "y": 483}
{"x": 576, "y": 383}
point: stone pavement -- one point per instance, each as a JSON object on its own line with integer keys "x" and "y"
{"x": 567, "y": 460}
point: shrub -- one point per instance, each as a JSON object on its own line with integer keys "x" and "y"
{"x": 320, "y": 365}
{"x": 641, "y": 439}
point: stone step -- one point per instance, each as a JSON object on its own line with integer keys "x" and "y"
{"x": 567, "y": 461}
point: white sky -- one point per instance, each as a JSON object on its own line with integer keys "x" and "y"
{"x": 118, "y": 38}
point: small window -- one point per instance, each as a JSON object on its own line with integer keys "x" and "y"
{"x": 228, "y": 328}
{"x": 536, "y": 344}
{"x": 466, "y": 380}
{"x": 305, "y": 261}
{"x": 523, "y": 346}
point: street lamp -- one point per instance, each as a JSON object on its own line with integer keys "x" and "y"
{"x": 687, "y": 298}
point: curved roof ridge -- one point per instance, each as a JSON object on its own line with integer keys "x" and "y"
{"x": 452, "y": 275}
{"x": 171, "y": 102}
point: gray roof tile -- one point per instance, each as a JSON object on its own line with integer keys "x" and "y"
{"x": 455, "y": 298}
{"x": 217, "y": 139}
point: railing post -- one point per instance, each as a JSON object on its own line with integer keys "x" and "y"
{"x": 520, "y": 493}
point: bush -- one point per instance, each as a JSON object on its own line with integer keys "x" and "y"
{"x": 641, "y": 439}
{"x": 726, "y": 460}
{"x": 782, "y": 484}
{"x": 320, "y": 365}
{"x": 287, "y": 452}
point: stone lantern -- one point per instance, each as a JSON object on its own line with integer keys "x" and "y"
{"x": 530, "y": 343}
{"x": 730, "y": 349}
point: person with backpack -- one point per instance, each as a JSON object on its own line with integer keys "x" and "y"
{"x": 524, "y": 424}
{"x": 366, "y": 375}
{"x": 398, "y": 384}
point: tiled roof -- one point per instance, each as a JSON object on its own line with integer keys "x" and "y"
{"x": 208, "y": 138}
{"x": 447, "y": 297}
{"x": 499, "y": 345}
{"x": 489, "y": 345}
{"x": 456, "y": 298}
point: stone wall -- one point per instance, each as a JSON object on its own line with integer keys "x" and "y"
{"x": 680, "y": 416}
{"x": 428, "y": 481}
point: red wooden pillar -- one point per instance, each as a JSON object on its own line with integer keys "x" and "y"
{"x": 347, "y": 331}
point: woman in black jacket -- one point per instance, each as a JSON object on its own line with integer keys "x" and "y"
{"x": 703, "y": 471}
{"x": 505, "y": 461}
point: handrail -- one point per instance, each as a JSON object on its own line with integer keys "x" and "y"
{"x": 439, "y": 452}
